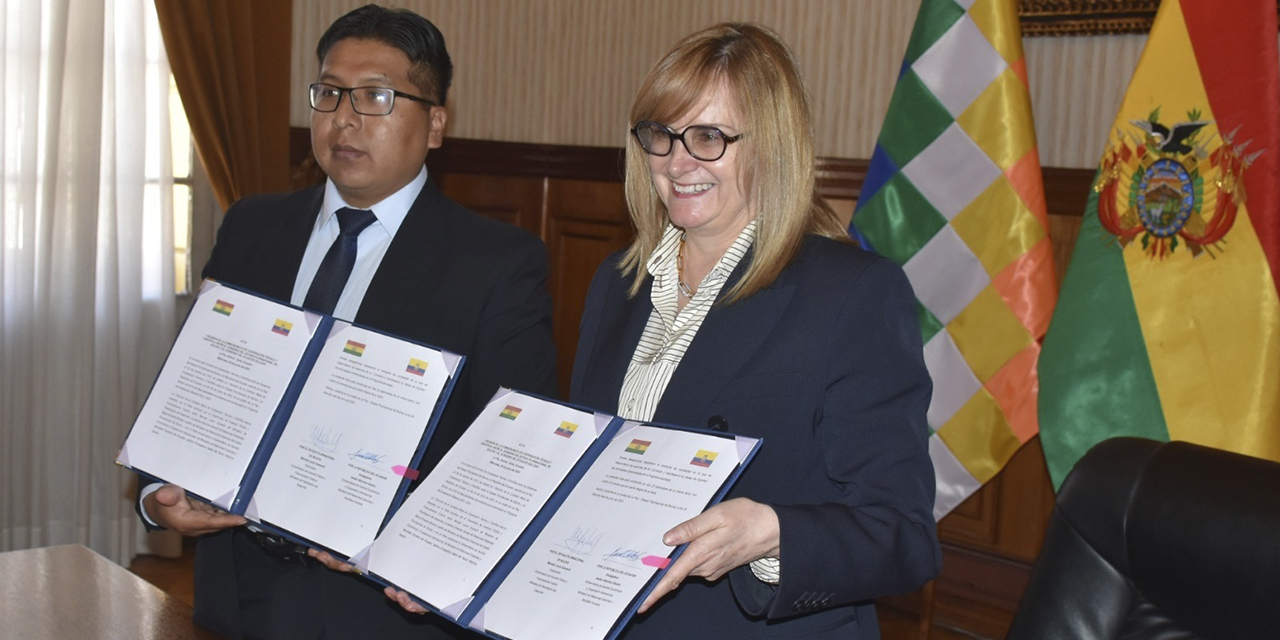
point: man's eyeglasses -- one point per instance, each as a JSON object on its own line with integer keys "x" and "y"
{"x": 367, "y": 101}
{"x": 703, "y": 143}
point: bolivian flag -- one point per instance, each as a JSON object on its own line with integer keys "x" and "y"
{"x": 223, "y": 307}
{"x": 510, "y": 412}
{"x": 638, "y": 446}
{"x": 354, "y": 348}
{"x": 1168, "y": 323}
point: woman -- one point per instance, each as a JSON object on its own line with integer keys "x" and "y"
{"x": 741, "y": 307}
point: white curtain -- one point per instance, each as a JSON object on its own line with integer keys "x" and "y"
{"x": 86, "y": 265}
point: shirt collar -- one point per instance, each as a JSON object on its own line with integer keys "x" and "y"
{"x": 390, "y": 211}
{"x": 663, "y": 258}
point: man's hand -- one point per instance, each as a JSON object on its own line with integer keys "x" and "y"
{"x": 169, "y": 507}
{"x": 331, "y": 562}
{"x": 722, "y": 538}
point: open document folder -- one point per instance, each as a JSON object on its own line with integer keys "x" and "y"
{"x": 546, "y": 521}
{"x": 305, "y": 424}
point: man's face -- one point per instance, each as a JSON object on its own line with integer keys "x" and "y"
{"x": 371, "y": 157}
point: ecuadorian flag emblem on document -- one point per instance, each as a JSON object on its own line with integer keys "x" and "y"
{"x": 416, "y": 367}
{"x": 704, "y": 458}
{"x": 638, "y": 446}
{"x": 566, "y": 429}
{"x": 510, "y": 412}
{"x": 223, "y": 307}
{"x": 354, "y": 348}
{"x": 281, "y": 327}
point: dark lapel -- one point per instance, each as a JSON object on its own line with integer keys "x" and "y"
{"x": 415, "y": 252}
{"x": 275, "y": 267}
{"x": 726, "y": 341}
{"x": 621, "y": 325}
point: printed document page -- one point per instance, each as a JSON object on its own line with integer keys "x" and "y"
{"x": 353, "y": 432}
{"x": 454, "y": 528}
{"x": 212, "y": 401}
{"x": 605, "y": 543}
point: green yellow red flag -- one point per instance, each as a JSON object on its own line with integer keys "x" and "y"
{"x": 1168, "y": 321}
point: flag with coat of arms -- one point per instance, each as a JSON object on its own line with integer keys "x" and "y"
{"x": 954, "y": 194}
{"x": 1168, "y": 326}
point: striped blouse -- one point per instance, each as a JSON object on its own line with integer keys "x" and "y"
{"x": 670, "y": 329}
{"x": 669, "y": 332}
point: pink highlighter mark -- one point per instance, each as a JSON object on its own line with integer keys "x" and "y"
{"x": 655, "y": 561}
{"x": 404, "y": 471}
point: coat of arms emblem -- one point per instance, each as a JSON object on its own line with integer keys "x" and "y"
{"x": 1171, "y": 186}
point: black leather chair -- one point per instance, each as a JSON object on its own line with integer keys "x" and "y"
{"x": 1159, "y": 541}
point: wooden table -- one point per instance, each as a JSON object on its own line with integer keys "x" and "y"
{"x": 72, "y": 592}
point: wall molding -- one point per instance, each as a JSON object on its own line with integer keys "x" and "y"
{"x": 1066, "y": 189}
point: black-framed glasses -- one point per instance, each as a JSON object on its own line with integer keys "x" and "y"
{"x": 703, "y": 143}
{"x": 366, "y": 101}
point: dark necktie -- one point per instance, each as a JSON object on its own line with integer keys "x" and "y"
{"x": 331, "y": 279}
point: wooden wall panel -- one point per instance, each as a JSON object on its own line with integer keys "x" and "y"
{"x": 514, "y": 200}
{"x": 587, "y": 221}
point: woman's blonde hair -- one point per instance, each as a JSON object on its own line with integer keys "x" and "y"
{"x": 775, "y": 161}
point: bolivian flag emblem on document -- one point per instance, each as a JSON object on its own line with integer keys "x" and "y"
{"x": 510, "y": 412}
{"x": 354, "y": 348}
{"x": 416, "y": 367}
{"x": 223, "y": 307}
{"x": 638, "y": 446}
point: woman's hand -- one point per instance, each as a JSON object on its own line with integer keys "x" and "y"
{"x": 404, "y": 600}
{"x": 722, "y": 538}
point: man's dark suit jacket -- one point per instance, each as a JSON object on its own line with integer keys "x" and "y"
{"x": 826, "y": 366}
{"x": 450, "y": 278}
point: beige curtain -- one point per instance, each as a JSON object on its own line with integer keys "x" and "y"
{"x": 230, "y": 59}
{"x": 86, "y": 264}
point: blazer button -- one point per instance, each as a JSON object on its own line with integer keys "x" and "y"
{"x": 718, "y": 423}
{"x": 804, "y": 602}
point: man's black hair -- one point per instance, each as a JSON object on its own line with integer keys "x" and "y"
{"x": 430, "y": 68}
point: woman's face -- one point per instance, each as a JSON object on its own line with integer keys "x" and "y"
{"x": 704, "y": 198}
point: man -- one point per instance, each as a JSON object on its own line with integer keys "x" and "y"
{"x": 424, "y": 268}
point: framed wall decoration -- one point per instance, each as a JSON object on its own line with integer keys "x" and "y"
{"x": 1085, "y": 17}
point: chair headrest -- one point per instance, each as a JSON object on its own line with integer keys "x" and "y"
{"x": 1201, "y": 529}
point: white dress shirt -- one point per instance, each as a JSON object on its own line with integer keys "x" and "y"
{"x": 373, "y": 243}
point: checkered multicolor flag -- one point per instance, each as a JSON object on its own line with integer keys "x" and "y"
{"x": 954, "y": 194}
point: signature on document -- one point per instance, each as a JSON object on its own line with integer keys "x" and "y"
{"x": 325, "y": 439}
{"x": 367, "y": 456}
{"x": 583, "y": 540}
{"x": 630, "y": 555}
